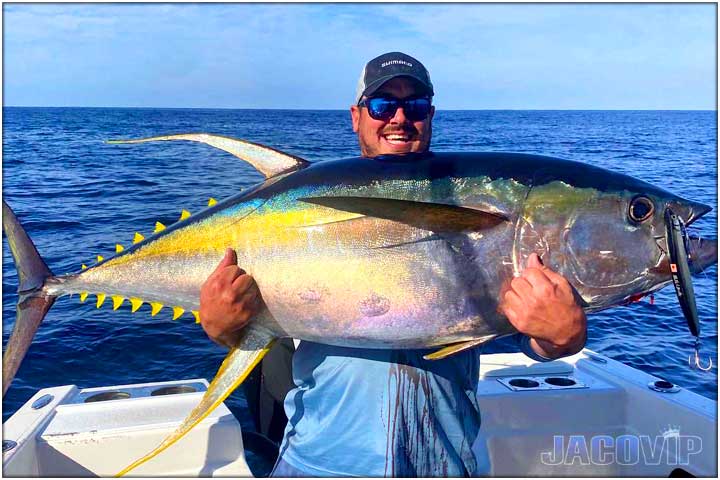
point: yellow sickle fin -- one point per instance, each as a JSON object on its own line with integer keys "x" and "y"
{"x": 119, "y": 248}
{"x": 117, "y": 301}
{"x": 156, "y": 307}
{"x": 83, "y": 266}
{"x": 83, "y": 296}
{"x": 100, "y": 258}
{"x": 266, "y": 160}
{"x": 238, "y": 364}
{"x": 457, "y": 347}
{"x": 138, "y": 238}
{"x": 135, "y": 304}
{"x": 184, "y": 214}
{"x": 100, "y": 299}
{"x": 211, "y": 202}
{"x": 196, "y": 314}
{"x": 159, "y": 227}
{"x": 177, "y": 312}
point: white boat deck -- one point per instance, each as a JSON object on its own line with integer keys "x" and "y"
{"x": 615, "y": 424}
{"x": 584, "y": 415}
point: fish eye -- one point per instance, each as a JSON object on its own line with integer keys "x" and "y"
{"x": 641, "y": 208}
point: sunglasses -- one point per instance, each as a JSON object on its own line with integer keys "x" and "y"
{"x": 384, "y": 108}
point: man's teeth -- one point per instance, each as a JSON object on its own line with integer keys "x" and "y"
{"x": 397, "y": 138}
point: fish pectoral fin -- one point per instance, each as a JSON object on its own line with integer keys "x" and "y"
{"x": 435, "y": 217}
{"x": 238, "y": 364}
{"x": 266, "y": 160}
{"x": 458, "y": 347}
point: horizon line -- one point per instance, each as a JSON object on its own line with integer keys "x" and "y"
{"x": 614, "y": 109}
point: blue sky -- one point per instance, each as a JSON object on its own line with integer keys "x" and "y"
{"x": 480, "y": 56}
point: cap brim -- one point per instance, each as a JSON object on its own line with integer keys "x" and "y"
{"x": 374, "y": 86}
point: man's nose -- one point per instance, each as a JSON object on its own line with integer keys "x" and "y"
{"x": 399, "y": 116}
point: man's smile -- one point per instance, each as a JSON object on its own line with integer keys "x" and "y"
{"x": 399, "y": 138}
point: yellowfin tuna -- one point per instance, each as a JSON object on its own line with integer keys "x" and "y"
{"x": 394, "y": 252}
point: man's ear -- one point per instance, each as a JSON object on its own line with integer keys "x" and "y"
{"x": 355, "y": 114}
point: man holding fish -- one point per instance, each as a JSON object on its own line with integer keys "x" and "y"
{"x": 367, "y": 412}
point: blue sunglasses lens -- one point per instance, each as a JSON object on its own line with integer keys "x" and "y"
{"x": 381, "y": 108}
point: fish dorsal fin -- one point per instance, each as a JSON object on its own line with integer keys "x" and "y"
{"x": 457, "y": 347}
{"x": 238, "y": 364}
{"x": 266, "y": 160}
{"x": 435, "y": 217}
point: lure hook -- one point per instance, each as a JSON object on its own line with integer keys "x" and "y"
{"x": 695, "y": 362}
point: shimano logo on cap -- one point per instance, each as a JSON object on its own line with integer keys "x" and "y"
{"x": 396, "y": 62}
{"x": 389, "y": 65}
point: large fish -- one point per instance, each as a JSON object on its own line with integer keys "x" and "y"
{"x": 405, "y": 251}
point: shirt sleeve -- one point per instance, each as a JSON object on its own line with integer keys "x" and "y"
{"x": 528, "y": 350}
{"x": 512, "y": 344}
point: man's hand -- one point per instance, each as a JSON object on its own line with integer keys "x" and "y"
{"x": 541, "y": 304}
{"x": 229, "y": 298}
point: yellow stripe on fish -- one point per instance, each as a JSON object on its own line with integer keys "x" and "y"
{"x": 214, "y": 234}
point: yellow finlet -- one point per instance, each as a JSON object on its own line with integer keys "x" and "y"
{"x": 117, "y": 301}
{"x": 196, "y": 314}
{"x": 119, "y": 248}
{"x": 100, "y": 258}
{"x": 156, "y": 307}
{"x": 184, "y": 214}
{"x": 138, "y": 238}
{"x": 177, "y": 312}
{"x": 458, "y": 347}
{"x": 83, "y": 266}
{"x": 159, "y": 227}
{"x": 83, "y": 296}
{"x": 211, "y": 202}
{"x": 135, "y": 304}
{"x": 100, "y": 299}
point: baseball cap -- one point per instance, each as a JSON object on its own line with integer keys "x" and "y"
{"x": 388, "y": 66}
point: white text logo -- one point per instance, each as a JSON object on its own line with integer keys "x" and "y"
{"x": 396, "y": 62}
{"x": 670, "y": 448}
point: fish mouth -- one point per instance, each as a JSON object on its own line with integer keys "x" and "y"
{"x": 702, "y": 253}
{"x": 680, "y": 248}
{"x": 689, "y": 211}
{"x": 696, "y": 211}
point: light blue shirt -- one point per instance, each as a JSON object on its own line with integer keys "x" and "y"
{"x": 360, "y": 412}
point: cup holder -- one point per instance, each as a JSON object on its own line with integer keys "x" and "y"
{"x": 520, "y": 384}
{"x": 8, "y": 445}
{"x": 560, "y": 381}
{"x": 175, "y": 389}
{"x": 523, "y": 383}
{"x": 105, "y": 396}
{"x": 663, "y": 386}
{"x": 157, "y": 390}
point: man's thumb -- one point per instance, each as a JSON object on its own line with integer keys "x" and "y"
{"x": 230, "y": 258}
{"x": 534, "y": 261}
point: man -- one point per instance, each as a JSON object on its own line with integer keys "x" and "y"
{"x": 360, "y": 412}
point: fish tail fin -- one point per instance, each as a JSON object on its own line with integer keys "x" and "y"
{"x": 238, "y": 364}
{"x": 33, "y": 303}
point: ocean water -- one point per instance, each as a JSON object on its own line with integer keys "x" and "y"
{"x": 78, "y": 196}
